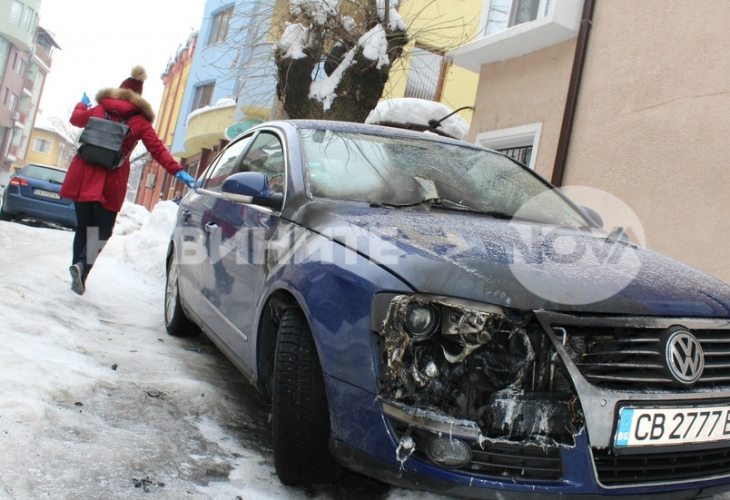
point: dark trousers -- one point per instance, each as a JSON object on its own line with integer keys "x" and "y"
{"x": 94, "y": 227}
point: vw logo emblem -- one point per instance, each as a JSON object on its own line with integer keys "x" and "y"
{"x": 684, "y": 357}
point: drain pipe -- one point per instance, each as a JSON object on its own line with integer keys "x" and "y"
{"x": 571, "y": 101}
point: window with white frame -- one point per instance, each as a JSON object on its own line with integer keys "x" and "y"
{"x": 503, "y": 14}
{"x": 219, "y": 26}
{"x": 16, "y": 12}
{"x": 41, "y": 145}
{"x": 426, "y": 74}
{"x": 520, "y": 142}
{"x": 13, "y": 104}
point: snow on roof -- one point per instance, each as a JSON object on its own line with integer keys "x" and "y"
{"x": 41, "y": 122}
{"x": 412, "y": 111}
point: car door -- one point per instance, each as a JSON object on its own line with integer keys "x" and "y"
{"x": 197, "y": 251}
{"x": 242, "y": 234}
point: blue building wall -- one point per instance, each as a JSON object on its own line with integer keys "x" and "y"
{"x": 241, "y": 67}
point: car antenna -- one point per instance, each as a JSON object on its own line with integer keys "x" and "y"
{"x": 434, "y": 124}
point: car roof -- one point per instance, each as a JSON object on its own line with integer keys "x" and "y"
{"x": 53, "y": 167}
{"x": 382, "y": 130}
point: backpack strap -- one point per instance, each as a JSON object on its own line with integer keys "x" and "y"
{"x": 120, "y": 120}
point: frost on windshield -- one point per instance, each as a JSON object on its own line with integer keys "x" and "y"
{"x": 479, "y": 365}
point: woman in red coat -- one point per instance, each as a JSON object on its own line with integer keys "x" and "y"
{"x": 98, "y": 193}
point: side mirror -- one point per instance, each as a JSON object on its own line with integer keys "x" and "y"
{"x": 251, "y": 187}
{"x": 592, "y": 216}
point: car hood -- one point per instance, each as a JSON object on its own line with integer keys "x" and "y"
{"x": 520, "y": 265}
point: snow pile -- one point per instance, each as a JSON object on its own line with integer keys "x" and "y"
{"x": 146, "y": 248}
{"x": 409, "y": 110}
{"x": 130, "y": 219}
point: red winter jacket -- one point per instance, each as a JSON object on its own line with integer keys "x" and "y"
{"x": 87, "y": 182}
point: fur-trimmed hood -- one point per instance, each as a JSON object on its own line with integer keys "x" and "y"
{"x": 127, "y": 95}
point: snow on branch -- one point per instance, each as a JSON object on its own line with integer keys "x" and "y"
{"x": 317, "y": 10}
{"x": 395, "y": 21}
{"x": 293, "y": 41}
{"x": 375, "y": 46}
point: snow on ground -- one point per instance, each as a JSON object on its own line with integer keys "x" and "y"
{"x": 98, "y": 401}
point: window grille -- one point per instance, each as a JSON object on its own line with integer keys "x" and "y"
{"x": 522, "y": 154}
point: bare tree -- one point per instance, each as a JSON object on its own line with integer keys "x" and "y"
{"x": 70, "y": 134}
{"x": 331, "y": 59}
{"x": 355, "y": 48}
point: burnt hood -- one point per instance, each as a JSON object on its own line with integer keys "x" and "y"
{"x": 518, "y": 264}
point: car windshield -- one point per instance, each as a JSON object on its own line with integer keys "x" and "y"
{"x": 44, "y": 173}
{"x": 401, "y": 172}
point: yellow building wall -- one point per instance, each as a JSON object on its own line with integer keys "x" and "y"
{"x": 180, "y": 83}
{"x": 50, "y": 158}
{"x": 440, "y": 26}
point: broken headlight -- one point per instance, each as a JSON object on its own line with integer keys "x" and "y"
{"x": 421, "y": 321}
{"x": 474, "y": 361}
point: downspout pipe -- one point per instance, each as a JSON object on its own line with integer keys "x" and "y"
{"x": 571, "y": 102}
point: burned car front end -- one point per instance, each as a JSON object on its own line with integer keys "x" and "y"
{"x": 505, "y": 365}
{"x": 555, "y": 403}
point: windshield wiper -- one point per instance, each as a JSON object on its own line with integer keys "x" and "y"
{"x": 444, "y": 204}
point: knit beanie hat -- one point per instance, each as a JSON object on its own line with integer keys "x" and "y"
{"x": 135, "y": 82}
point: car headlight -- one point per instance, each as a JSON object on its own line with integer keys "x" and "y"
{"x": 421, "y": 321}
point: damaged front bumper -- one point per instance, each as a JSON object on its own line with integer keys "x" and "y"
{"x": 504, "y": 396}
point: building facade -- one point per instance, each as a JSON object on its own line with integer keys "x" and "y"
{"x": 624, "y": 96}
{"x": 48, "y": 147}
{"x": 26, "y": 52}
{"x": 154, "y": 183}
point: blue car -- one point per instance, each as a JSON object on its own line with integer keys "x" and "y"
{"x": 435, "y": 315}
{"x": 32, "y": 193}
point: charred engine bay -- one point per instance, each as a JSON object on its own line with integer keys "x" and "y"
{"x": 501, "y": 372}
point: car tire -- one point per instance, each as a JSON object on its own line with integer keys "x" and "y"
{"x": 5, "y": 216}
{"x": 300, "y": 413}
{"x": 176, "y": 321}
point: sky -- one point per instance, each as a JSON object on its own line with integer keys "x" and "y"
{"x": 102, "y": 40}
{"x": 98, "y": 401}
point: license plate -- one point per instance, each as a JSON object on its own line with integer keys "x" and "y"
{"x": 47, "y": 194}
{"x": 671, "y": 426}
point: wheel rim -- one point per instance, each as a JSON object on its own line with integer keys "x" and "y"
{"x": 171, "y": 289}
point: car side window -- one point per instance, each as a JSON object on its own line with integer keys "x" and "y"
{"x": 266, "y": 155}
{"x": 225, "y": 164}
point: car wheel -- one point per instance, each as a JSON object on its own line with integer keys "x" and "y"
{"x": 176, "y": 322}
{"x": 5, "y": 216}
{"x": 300, "y": 413}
